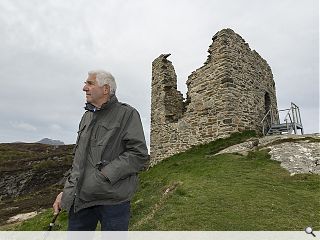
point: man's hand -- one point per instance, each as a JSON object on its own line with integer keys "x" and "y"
{"x": 57, "y": 204}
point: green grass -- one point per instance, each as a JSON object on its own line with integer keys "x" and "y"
{"x": 198, "y": 191}
{"x": 229, "y": 193}
{"x": 12, "y": 152}
{"x": 39, "y": 223}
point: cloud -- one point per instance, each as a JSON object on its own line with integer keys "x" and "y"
{"x": 55, "y": 127}
{"x": 23, "y": 126}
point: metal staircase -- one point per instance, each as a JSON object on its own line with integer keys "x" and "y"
{"x": 291, "y": 124}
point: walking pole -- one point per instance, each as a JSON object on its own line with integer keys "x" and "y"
{"x": 51, "y": 224}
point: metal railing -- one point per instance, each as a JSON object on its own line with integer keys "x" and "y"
{"x": 266, "y": 122}
{"x": 291, "y": 123}
{"x": 293, "y": 119}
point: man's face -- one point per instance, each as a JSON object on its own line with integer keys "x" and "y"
{"x": 95, "y": 94}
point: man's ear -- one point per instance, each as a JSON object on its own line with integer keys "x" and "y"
{"x": 106, "y": 89}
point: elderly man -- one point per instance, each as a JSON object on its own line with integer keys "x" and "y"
{"x": 110, "y": 151}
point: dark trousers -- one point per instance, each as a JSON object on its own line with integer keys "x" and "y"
{"x": 111, "y": 218}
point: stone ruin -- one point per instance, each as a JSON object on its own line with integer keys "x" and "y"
{"x": 231, "y": 92}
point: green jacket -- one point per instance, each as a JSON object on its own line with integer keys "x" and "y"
{"x": 110, "y": 151}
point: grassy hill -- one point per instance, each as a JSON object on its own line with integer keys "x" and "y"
{"x": 196, "y": 190}
{"x": 29, "y": 176}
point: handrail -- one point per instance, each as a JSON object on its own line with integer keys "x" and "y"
{"x": 265, "y": 121}
{"x": 282, "y": 110}
{"x": 266, "y": 115}
{"x": 292, "y": 120}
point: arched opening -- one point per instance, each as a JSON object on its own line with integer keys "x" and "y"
{"x": 267, "y": 103}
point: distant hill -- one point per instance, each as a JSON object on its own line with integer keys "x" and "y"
{"x": 50, "y": 141}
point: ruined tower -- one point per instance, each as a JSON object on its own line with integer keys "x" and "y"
{"x": 231, "y": 92}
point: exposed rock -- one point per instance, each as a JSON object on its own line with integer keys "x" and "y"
{"x": 13, "y": 184}
{"x": 297, "y": 157}
{"x": 242, "y": 148}
{"x": 297, "y": 153}
{"x": 22, "y": 217}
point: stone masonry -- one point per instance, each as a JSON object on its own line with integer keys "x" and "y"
{"x": 231, "y": 92}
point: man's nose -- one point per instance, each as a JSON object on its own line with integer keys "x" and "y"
{"x": 85, "y": 87}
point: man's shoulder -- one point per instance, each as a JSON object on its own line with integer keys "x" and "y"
{"x": 126, "y": 106}
{"x": 86, "y": 114}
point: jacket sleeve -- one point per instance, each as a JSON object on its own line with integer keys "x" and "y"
{"x": 135, "y": 156}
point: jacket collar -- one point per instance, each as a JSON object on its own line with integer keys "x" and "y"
{"x": 92, "y": 108}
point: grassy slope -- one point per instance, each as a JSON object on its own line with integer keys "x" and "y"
{"x": 197, "y": 191}
{"x": 41, "y": 166}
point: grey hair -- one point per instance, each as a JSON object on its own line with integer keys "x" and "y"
{"x": 103, "y": 78}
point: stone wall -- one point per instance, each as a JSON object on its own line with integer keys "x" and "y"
{"x": 231, "y": 92}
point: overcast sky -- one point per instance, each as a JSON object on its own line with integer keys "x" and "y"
{"x": 47, "y": 48}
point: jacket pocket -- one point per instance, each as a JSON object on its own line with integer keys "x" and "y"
{"x": 105, "y": 133}
{"x": 100, "y": 177}
{"x": 97, "y": 187}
